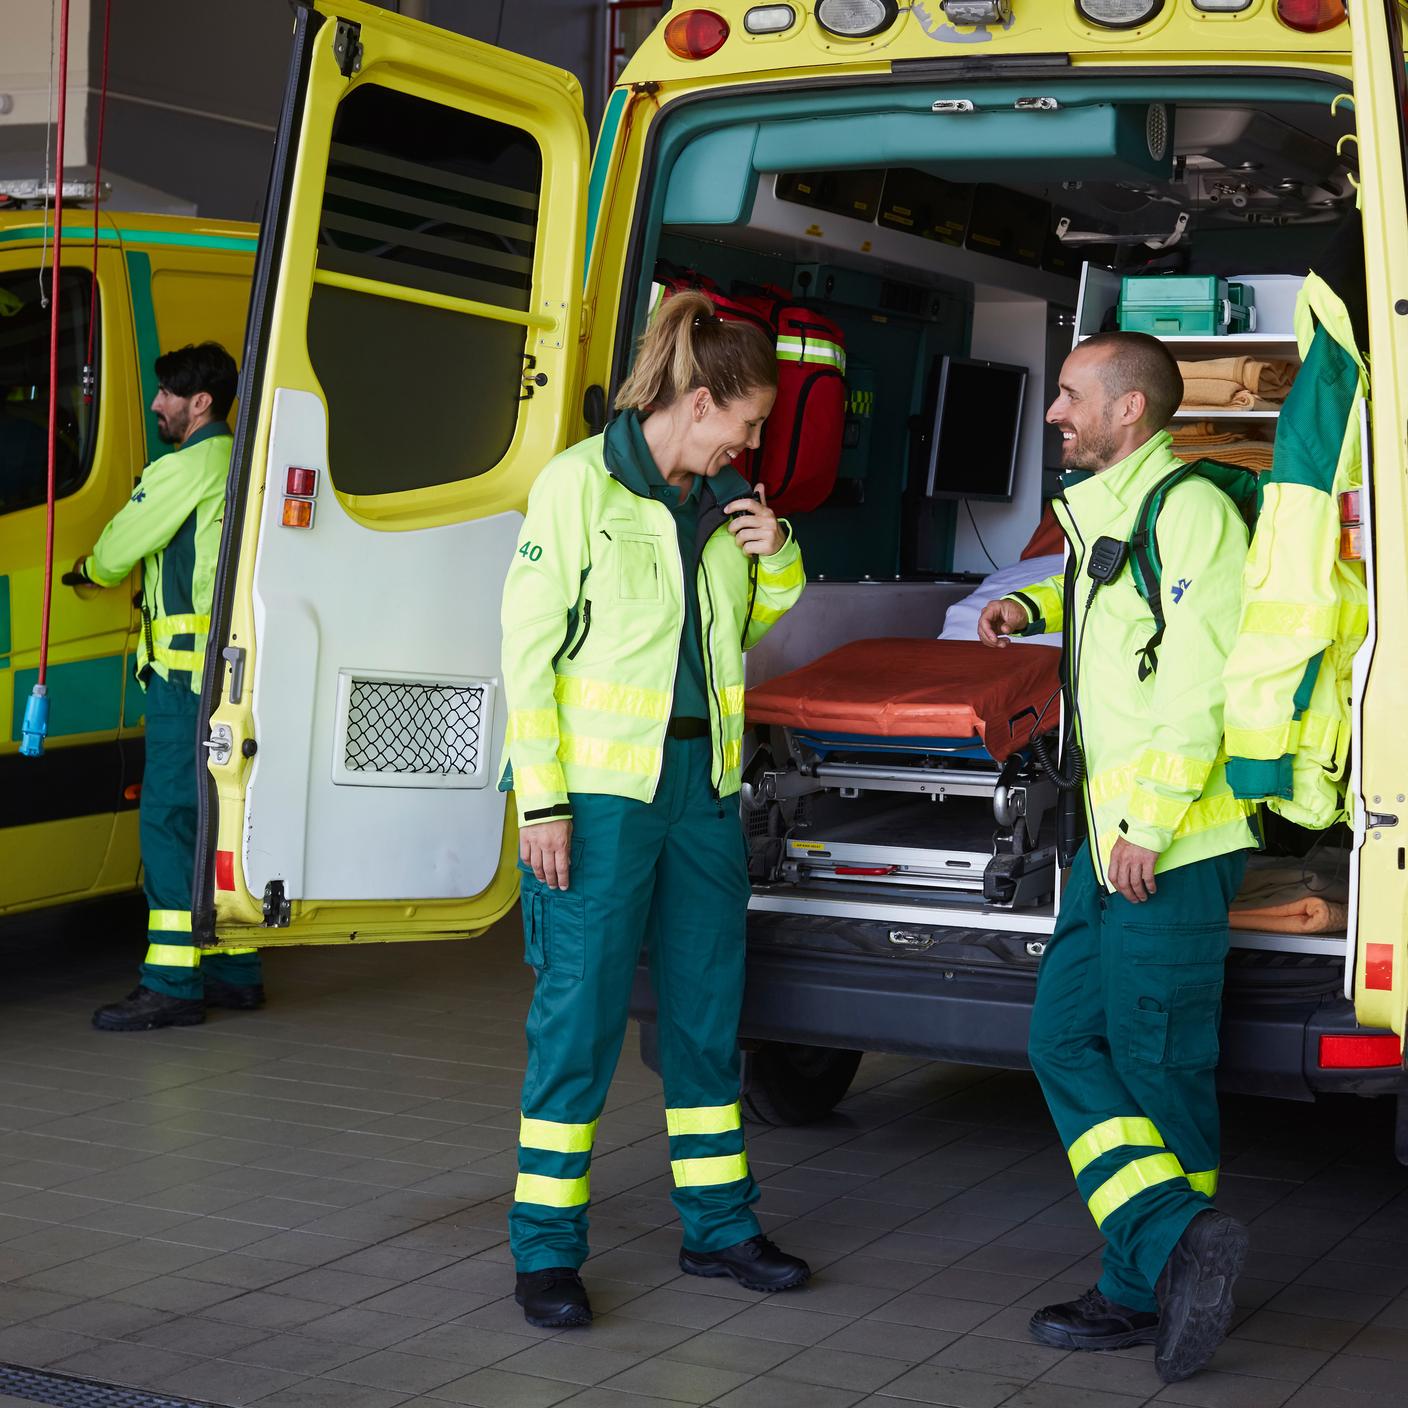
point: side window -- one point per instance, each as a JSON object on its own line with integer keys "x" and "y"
{"x": 419, "y": 318}
{"x": 24, "y": 389}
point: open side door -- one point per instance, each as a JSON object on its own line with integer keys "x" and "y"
{"x": 408, "y": 367}
{"x": 1381, "y": 941}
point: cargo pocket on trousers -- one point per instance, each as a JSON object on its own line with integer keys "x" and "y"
{"x": 554, "y": 922}
{"x": 1172, "y": 985}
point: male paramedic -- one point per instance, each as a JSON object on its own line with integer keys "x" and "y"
{"x": 171, "y": 525}
{"x": 1124, "y": 1029}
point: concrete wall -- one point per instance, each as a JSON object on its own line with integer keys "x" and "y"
{"x": 194, "y": 86}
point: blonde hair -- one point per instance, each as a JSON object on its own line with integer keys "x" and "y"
{"x": 686, "y": 345}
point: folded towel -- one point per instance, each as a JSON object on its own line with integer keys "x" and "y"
{"x": 1269, "y": 379}
{"x": 1218, "y": 393}
{"x": 1308, "y": 915}
{"x": 1311, "y": 897}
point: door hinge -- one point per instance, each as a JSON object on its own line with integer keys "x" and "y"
{"x": 277, "y": 910}
{"x": 220, "y": 744}
{"x": 347, "y": 47}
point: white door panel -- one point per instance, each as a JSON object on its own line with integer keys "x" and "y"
{"x": 386, "y": 690}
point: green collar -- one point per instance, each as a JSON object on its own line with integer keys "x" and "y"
{"x": 208, "y": 431}
{"x": 629, "y": 460}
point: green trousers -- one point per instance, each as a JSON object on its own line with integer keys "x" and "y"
{"x": 168, "y": 829}
{"x": 671, "y": 874}
{"x": 1124, "y": 1042}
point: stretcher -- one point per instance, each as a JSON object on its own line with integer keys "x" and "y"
{"x": 906, "y": 762}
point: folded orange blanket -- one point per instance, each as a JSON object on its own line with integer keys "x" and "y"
{"x": 1217, "y": 393}
{"x": 1308, "y": 915}
{"x": 1270, "y": 379}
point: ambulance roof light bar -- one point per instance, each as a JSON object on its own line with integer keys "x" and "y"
{"x": 31, "y": 191}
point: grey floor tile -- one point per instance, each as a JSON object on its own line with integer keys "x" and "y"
{"x": 122, "y": 1362}
{"x": 369, "y": 1328}
{"x": 717, "y": 1349}
{"x": 268, "y": 1310}
{"x": 677, "y": 1381}
{"x": 328, "y": 1393}
{"x": 788, "y": 1393}
{"x": 839, "y": 1368}
{"x": 472, "y": 1345}
{"x": 1010, "y": 1359}
{"x": 296, "y": 1353}
{"x": 1048, "y": 1395}
{"x": 36, "y": 1347}
{"x": 493, "y": 1388}
{"x": 1308, "y": 1331}
{"x": 773, "y": 1321}
{"x": 106, "y": 1319}
{"x": 388, "y": 1368}
{"x": 176, "y": 1294}
{"x": 1213, "y": 1389}
{"x": 226, "y": 1382}
{"x": 574, "y": 1360}
{"x": 191, "y": 1334}
{"x": 1127, "y": 1374}
{"x": 960, "y": 1388}
{"x": 1361, "y": 1374}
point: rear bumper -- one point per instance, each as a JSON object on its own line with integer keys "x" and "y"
{"x": 973, "y": 1006}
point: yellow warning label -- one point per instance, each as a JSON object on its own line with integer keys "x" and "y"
{"x": 809, "y": 845}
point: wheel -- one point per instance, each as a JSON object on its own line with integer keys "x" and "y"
{"x": 797, "y": 1084}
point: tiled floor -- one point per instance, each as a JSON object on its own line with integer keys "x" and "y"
{"x": 305, "y": 1206}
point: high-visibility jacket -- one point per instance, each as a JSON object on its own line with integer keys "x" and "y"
{"x": 171, "y": 525}
{"x": 1154, "y": 765}
{"x": 593, "y": 612}
{"x": 1305, "y": 611}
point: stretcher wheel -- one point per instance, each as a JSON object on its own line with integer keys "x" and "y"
{"x": 787, "y": 1084}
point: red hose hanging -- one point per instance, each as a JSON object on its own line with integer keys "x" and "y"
{"x": 90, "y": 381}
{"x": 36, "y": 713}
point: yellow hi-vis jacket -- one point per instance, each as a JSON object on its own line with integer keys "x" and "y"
{"x": 593, "y": 612}
{"x": 1305, "y": 612}
{"x": 1153, "y": 746}
{"x": 171, "y": 525}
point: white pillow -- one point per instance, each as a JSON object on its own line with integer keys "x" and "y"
{"x": 961, "y": 619}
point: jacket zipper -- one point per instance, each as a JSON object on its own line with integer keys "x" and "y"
{"x": 679, "y": 630}
{"x": 586, "y": 627}
{"x": 705, "y": 642}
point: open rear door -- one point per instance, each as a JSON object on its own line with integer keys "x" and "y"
{"x": 408, "y": 368}
{"x": 1381, "y": 952}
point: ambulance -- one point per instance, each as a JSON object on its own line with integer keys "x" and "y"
{"x": 68, "y": 819}
{"x": 446, "y": 293}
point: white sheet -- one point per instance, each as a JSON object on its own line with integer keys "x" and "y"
{"x": 961, "y": 619}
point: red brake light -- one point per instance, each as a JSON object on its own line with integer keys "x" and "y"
{"x": 301, "y": 483}
{"x": 1311, "y": 16}
{"x": 1340, "y": 1052}
{"x": 695, "y": 34}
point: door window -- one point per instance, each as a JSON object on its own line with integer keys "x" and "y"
{"x": 24, "y": 389}
{"x": 418, "y": 324}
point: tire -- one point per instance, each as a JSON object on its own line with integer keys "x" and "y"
{"x": 790, "y": 1084}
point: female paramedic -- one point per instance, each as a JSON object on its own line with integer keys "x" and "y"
{"x": 644, "y": 570}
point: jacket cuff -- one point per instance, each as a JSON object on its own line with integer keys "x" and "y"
{"x": 90, "y": 567}
{"x": 1256, "y": 779}
{"x": 1036, "y": 625}
{"x": 1146, "y": 834}
{"x": 786, "y": 555}
{"x": 540, "y": 810}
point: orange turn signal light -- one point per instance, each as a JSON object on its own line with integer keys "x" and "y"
{"x": 298, "y": 513}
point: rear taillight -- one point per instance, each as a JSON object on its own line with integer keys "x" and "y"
{"x": 224, "y": 870}
{"x": 696, "y": 34}
{"x": 1351, "y": 529}
{"x": 1360, "y": 1052}
{"x": 1311, "y": 16}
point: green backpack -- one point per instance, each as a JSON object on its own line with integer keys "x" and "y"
{"x": 1242, "y": 486}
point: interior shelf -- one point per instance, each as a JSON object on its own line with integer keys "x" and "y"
{"x": 1221, "y": 413}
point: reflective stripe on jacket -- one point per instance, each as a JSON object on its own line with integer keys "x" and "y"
{"x": 1305, "y": 612}
{"x": 1154, "y": 765}
{"x": 593, "y": 610}
{"x": 171, "y": 525}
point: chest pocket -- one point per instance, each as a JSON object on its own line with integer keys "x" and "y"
{"x": 639, "y": 565}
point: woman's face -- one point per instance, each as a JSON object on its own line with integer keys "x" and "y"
{"x": 718, "y": 434}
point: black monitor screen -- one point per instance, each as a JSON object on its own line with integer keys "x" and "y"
{"x": 977, "y": 420}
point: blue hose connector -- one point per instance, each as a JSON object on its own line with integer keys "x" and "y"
{"x": 36, "y": 723}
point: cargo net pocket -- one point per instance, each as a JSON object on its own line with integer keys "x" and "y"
{"x": 394, "y": 726}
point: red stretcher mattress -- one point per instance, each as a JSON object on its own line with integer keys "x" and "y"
{"x": 918, "y": 689}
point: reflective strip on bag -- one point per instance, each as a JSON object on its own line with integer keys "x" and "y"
{"x": 704, "y": 1119}
{"x": 1133, "y": 1179}
{"x": 811, "y": 349}
{"x": 1113, "y": 1134}
{"x": 552, "y": 1192}
{"x": 173, "y": 956}
{"x": 556, "y": 1138}
{"x": 169, "y": 921}
{"x": 707, "y": 1173}
{"x": 1263, "y": 744}
{"x": 633, "y": 701}
{"x": 1290, "y": 618}
{"x": 1205, "y": 1183}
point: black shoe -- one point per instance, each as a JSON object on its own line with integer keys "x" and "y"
{"x": 1093, "y": 1322}
{"x": 756, "y": 1264}
{"x": 242, "y": 997}
{"x": 142, "y": 1009}
{"x": 1195, "y": 1293}
{"x": 554, "y": 1299}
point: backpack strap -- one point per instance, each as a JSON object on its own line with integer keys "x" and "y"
{"x": 1240, "y": 485}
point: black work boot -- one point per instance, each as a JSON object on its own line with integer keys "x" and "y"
{"x": 1195, "y": 1293}
{"x": 755, "y": 1264}
{"x": 554, "y": 1299}
{"x": 1094, "y": 1321}
{"x": 241, "y": 997}
{"x": 142, "y": 1009}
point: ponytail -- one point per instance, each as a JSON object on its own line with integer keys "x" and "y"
{"x": 686, "y": 345}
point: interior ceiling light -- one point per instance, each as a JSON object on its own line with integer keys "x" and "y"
{"x": 1118, "y": 14}
{"x": 696, "y": 34}
{"x": 1222, "y": 7}
{"x": 856, "y": 19}
{"x": 1310, "y": 16}
{"x": 773, "y": 19}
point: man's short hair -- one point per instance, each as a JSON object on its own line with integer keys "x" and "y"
{"x": 1134, "y": 361}
{"x": 202, "y": 367}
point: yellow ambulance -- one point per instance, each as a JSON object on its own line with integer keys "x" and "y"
{"x": 446, "y": 294}
{"x": 68, "y": 819}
